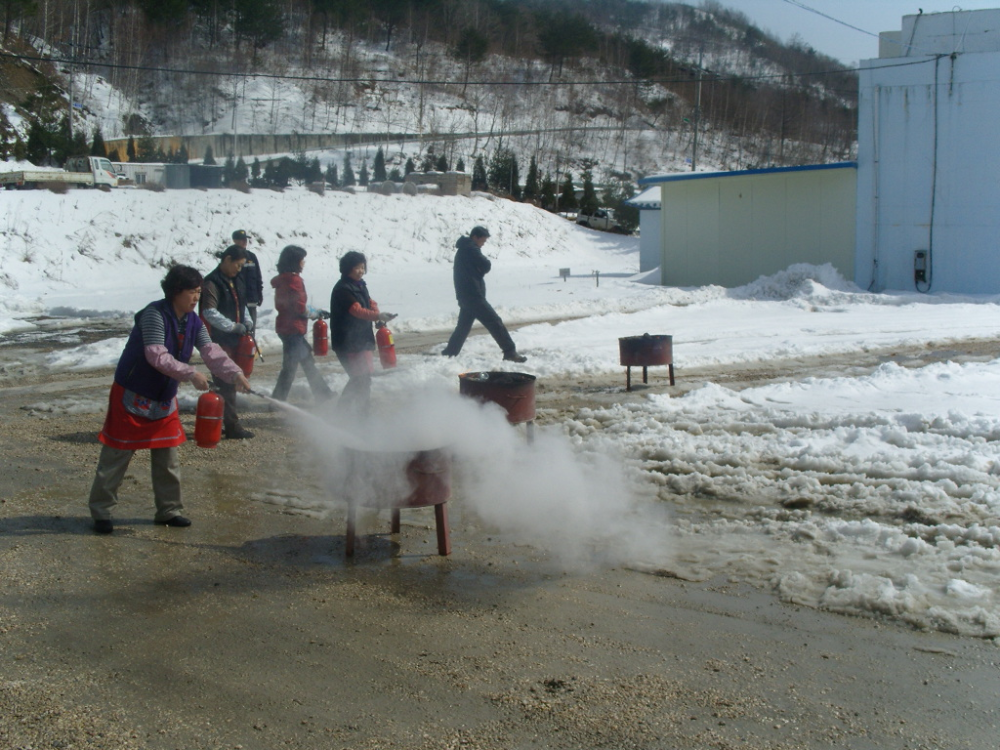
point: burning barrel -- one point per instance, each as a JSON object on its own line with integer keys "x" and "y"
{"x": 514, "y": 391}
{"x": 395, "y": 480}
{"x": 645, "y": 351}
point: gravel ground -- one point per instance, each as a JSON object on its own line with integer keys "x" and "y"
{"x": 250, "y": 630}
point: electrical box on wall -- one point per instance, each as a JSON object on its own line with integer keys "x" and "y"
{"x": 920, "y": 267}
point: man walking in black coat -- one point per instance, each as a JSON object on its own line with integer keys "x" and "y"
{"x": 253, "y": 277}
{"x": 471, "y": 266}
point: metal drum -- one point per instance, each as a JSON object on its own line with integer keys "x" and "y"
{"x": 645, "y": 351}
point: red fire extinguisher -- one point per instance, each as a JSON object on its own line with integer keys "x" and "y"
{"x": 208, "y": 420}
{"x": 245, "y": 354}
{"x": 321, "y": 338}
{"x": 386, "y": 346}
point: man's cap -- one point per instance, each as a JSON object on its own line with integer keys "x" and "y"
{"x": 479, "y": 231}
{"x": 239, "y": 234}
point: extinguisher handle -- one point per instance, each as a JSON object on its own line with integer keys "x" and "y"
{"x": 256, "y": 346}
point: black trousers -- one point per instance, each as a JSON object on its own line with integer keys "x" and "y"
{"x": 230, "y": 417}
{"x": 481, "y": 310}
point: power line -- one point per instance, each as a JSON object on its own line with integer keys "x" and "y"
{"x": 805, "y": 7}
{"x": 798, "y": 4}
{"x": 418, "y": 82}
{"x": 716, "y": 77}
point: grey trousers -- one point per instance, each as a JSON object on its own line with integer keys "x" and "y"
{"x": 296, "y": 351}
{"x": 111, "y": 467}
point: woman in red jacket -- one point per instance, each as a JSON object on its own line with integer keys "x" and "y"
{"x": 292, "y": 324}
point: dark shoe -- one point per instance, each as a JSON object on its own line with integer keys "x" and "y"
{"x": 446, "y": 353}
{"x": 178, "y": 522}
{"x": 238, "y": 434}
{"x": 514, "y": 357}
{"x": 103, "y": 526}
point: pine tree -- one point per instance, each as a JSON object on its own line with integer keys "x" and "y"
{"x": 78, "y": 144}
{"x": 479, "y": 179}
{"x": 315, "y": 171}
{"x": 442, "y": 164}
{"x": 567, "y": 195}
{"x": 255, "y": 172}
{"x": 258, "y": 21}
{"x": 349, "y": 178}
{"x": 531, "y": 187}
{"x": 229, "y": 170}
{"x": 615, "y": 196}
{"x": 378, "y": 169}
{"x": 460, "y": 165}
{"x": 332, "y": 178}
{"x": 240, "y": 174}
{"x": 409, "y": 168}
{"x": 427, "y": 164}
{"x": 515, "y": 178}
{"x": 113, "y": 155}
{"x": 130, "y": 149}
{"x": 209, "y": 160}
{"x": 588, "y": 201}
{"x": 300, "y": 168}
{"x": 503, "y": 173}
{"x": 363, "y": 175}
{"x": 146, "y": 150}
{"x": 471, "y": 48}
{"x": 286, "y": 168}
{"x": 97, "y": 148}
{"x": 182, "y": 155}
{"x": 37, "y": 149}
{"x": 547, "y": 194}
{"x": 395, "y": 175}
{"x": 270, "y": 176}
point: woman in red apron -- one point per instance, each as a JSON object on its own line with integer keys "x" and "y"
{"x": 142, "y": 407}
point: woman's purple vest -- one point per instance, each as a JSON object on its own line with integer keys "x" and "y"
{"x": 134, "y": 373}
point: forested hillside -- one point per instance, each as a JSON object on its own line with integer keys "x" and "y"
{"x": 622, "y": 88}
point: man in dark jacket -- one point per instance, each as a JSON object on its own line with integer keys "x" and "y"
{"x": 471, "y": 266}
{"x": 253, "y": 277}
{"x": 223, "y": 307}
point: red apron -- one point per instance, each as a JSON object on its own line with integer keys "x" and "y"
{"x": 130, "y": 432}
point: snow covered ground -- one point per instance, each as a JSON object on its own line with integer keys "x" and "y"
{"x": 874, "y": 494}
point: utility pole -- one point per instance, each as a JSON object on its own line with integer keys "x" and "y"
{"x": 697, "y": 111}
{"x": 72, "y": 93}
{"x": 236, "y": 133}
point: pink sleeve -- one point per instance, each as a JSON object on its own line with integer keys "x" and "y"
{"x": 158, "y": 356}
{"x": 371, "y": 315}
{"x": 219, "y": 362}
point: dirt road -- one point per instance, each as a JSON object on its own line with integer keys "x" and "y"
{"x": 249, "y": 629}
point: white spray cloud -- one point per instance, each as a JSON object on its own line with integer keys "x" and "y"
{"x": 580, "y": 508}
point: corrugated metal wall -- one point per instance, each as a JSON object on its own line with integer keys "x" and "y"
{"x": 730, "y": 228}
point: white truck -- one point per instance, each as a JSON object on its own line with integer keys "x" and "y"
{"x": 85, "y": 171}
{"x": 601, "y": 218}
